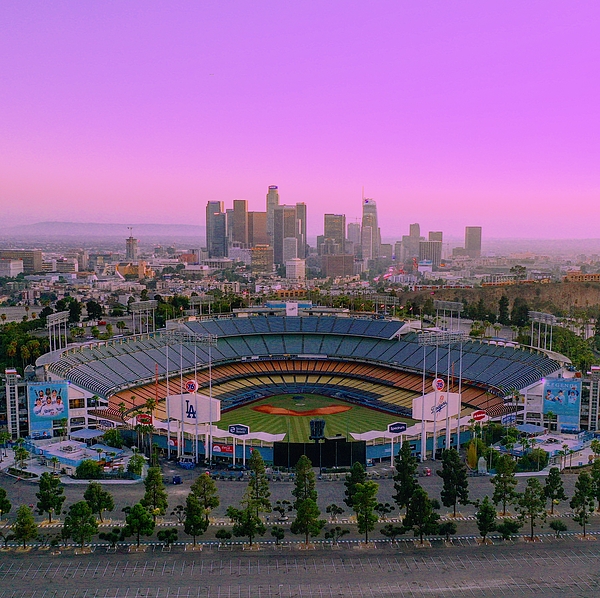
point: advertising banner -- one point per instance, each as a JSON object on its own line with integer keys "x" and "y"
{"x": 563, "y": 398}
{"x": 48, "y": 402}
{"x": 222, "y": 449}
{"x": 438, "y": 405}
{"x": 194, "y": 408}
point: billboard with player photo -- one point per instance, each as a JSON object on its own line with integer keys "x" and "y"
{"x": 48, "y": 402}
{"x": 563, "y": 398}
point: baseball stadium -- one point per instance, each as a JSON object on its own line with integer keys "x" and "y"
{"x": 274, "y": 373}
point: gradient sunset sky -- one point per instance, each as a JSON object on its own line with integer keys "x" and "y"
{"x": 449, "y": 113}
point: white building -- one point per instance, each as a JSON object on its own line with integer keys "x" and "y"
{"x": 295, "y": 269}
{"x": 10, "y": 268}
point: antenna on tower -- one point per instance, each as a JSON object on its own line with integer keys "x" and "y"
{"x": 363, "y": 192}
{"x": 130, "y": 229}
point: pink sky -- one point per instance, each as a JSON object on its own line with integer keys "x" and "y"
{"x": 449, "y": 113}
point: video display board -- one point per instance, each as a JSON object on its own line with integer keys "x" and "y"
{"x": 563, "y": 398}
{"x": 48, "y": 402}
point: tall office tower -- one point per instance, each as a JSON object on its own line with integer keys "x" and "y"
{"x": 272, "y": 203}
{"x": 430, "y": 251}
{"x": 290, "y": 249}
{"x": 369, "y": 219}
{"x": 216, "y": 229}
{"x": 436, "y": 235}
{"x": 240, "y": 221}
{"x": 334, "y": 227}
{"x": 398, "y": 257}
{"x": 261, "y": 259}
{"x": 229, "y": 220}
{"x": 414, "y": 230}
{"x": 473, "y": 241}
{"x": 354, "y": 233}
{"x": 366, "y": 242}
{"x": 285, "y": 225}
{"x": 257, "y": 228}
{"x": 301, "y": 216}
{"x": 131, "y": 247}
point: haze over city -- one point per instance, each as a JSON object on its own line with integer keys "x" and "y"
{"x": 450, "y": 115}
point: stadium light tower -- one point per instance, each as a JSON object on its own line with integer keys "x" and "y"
{"x": 428, "y": 339}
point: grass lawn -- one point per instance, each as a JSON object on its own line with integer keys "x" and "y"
{"x": 356, "y": 419}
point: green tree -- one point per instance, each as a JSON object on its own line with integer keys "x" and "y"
{"x": 80, "y": 524}
{"x": 392, "y": 531}
{"x": 456, "y": 484}
{"x": 334, "y": 510}
{"x": 138, "y": 522}
{"x": 113, "y": 438}
{"x": 583, "y": 500}
{"x": 98, "y": 499}
{"x": 155, "y": 497}
{"x": 405, "y": 481}
{"x": 558, "y": 526}
{"x": 205, "y": 490}
{"x": 88, "y": 469}
{"x": 365, "y": 502}
{"x": 50, "y": 495}
{"x": 420, "y": 516}
{"x": 136, "y": 464}
{"x": 447, "y": 529}
{"x": 383, "y": 509}
{"x": 223, "y": 535}
{"x": 258, "y": 493}
{"x": 278, "y": 533}
{"x": 554, "y": 490}
{"x": 24, "y": 528}
{"x": 519, "y": 315}
{"x": 335, "y": 533}
{"x": 307, "y": 521}
{"x": 486, "y": 517}
{"x": 111, "y": 537}
{"x": 531, "y": 505}
{"x": 503, "y": 312}
{"x": 357, "y": 475}
{"x": 504, "y": 482}
{"x": 5, "y": 504}
{"x": 21, "y": 455}
{"x": 95, "y": 311}
{"x": 167, "y": 536}
{"x": 595, "y": 475}
{"x": 508, "y": 528}
{"x": 246, "y": 523}
{"x": 195, "y": 522}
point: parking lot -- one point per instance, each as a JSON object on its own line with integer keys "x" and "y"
{"x": 568, "y": 568}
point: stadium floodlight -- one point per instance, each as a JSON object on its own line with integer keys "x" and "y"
{"x": 180, "y": 336}
{"x": 445, "y": 337}
{"x": 54, "y": 323}
{"x": 452, "y": 306}
{"x": 539, "y": 318}
{"x": 143, "y": 310}
{"x": 542, "y": 318}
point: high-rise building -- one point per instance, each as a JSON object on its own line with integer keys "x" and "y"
{"x": 473, "y": 241}
{"x": 295, "y": 269}
{"x": 285, "y": 225}
{"x": 32, "y": 258}
{"x": 414, "y": 230}
{"x": 337, "y": 265}
{"x": 436, "y": 235}
{"x": 272, "y": 203}
{"x": 240, "y": 221}
{"x": 257, "y": 228}
{"x": 131, "y": 247}
{"x": 334, "y": 227}
{"x": 430, "y": 251}
{"x": 371, "y": 240}
{"x": 301, "y": 216}
{"x": 261, "y": 260}
{"x": 290, "y": 249}
{"x": 354, "y": 233}
{"x": 216, "y": 229}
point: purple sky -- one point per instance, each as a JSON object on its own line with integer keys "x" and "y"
{"x": 449, "y": 113}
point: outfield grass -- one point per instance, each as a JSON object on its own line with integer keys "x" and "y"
{"x": 357, "y": 419}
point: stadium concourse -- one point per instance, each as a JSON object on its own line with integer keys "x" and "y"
{"x": 377, "y": 363}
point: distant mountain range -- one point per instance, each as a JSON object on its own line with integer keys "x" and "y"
{"x": 45, "y": 230}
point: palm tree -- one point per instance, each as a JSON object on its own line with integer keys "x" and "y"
{"x": 55, "y": 461}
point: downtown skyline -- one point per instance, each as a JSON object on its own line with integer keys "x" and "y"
{"x": 448, "y": 115}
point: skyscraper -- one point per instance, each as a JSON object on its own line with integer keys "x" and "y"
{"x": 216, "y": 229}
{"x": 301, "y": 216}
{"x": 240, "y": 221}
{"x": 272, "y": 203}
{"x": 354, "y": 233}
{"x": 131, "y": 247}
{"x": 473, "y": 241}
{"x": 436, "y": 235}
{"x": 257, "y": 228}
{"x": 430, "y": 251}
{"x": 334, "y": 227}
{"x": 285, "y": 225}
{"x": 369, "y": 220}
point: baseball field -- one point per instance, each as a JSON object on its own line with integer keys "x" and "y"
{"x": 291, "y": 414}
